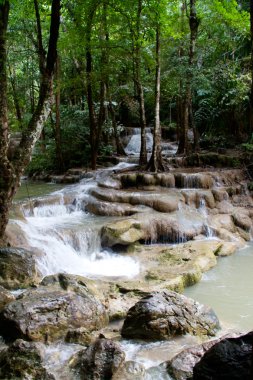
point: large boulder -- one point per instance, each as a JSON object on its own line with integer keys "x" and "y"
{"x": 24, "y": 360}
{"x": 167, "y": 314}
{"x": 48, "y": 312}
{"x": 100, "y": 361}
{"x": 180, "y": 367}
{"x": 123, "y": 232}
{"x": 230, "y": 359}
{"x": 17, "y": 268}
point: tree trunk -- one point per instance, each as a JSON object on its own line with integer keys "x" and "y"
{"x": 196, "y": 146}
{"x": 96, "y": 123}
{"x": 119, "y": 146}
{"x": 251, "y": 92}
{"x": 7, "y": 175}
{"x": 57, "y": 130}
{"x": 156, "y": 162}
{"x": 10, "y": 172}
{"x": 139, "y": 87}
{"x": 187, "y": 102}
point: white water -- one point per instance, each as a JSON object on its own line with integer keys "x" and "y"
{"x": 134, "y": 145}
{"x": 69, "y": 239}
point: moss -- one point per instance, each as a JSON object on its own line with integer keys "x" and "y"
{"x": 218, "y": 250}
{"x": 192, "y": 277}
{"x": 151, "y": 276}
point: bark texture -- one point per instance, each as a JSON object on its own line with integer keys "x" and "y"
{"x": 11, "y": 170}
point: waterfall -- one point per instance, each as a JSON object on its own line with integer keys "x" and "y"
{"x": 203, "y": 211}
{"x": 134, "y": 145}
{"x": 67, "y": 239}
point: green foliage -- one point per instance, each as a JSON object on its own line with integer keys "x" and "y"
{"x": 247, "y": 147}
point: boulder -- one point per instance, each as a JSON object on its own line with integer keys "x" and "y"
{"x": 24, "y": 360}
{"x": 162, "y": 315}
{"x": 5, "y": 297}
{"x": 17, "y": 268}
{"x": 230, "y": 359}
{"x": 50, "y": 311}
{"x": 123, "y": 232}
{"x": 100, "y": 361}
{"x": 79, "y": 336}
{"x": 180, "y": 367}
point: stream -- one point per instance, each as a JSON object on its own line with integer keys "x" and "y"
{"x": 72, "y": 238}
{"x": 69, "y": 239}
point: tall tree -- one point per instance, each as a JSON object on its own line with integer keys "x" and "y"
{"x": 156, "y": 162}
{"x": 251, "y": 91}
{"x": 11, "y": 168}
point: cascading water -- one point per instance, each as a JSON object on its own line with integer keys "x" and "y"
{"x": 203, "y": 211}
{"x": 68, "y": 239}
{"x": 134, "y": 145}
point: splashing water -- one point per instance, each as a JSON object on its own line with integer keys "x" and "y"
{"x": 68, "y": 239}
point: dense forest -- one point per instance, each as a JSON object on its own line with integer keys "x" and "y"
{"x": 173, "y": 66}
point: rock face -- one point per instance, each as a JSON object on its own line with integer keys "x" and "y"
{"x": 48, "y": 312}
{"x": 230, "y": 359}
{"x": 23, "y": 360}
{"x": 100, "y": 360}
{"x": 166, "y": 314}
{"x": 17, "y": 268}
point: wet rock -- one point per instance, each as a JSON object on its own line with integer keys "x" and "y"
{"x": 110, "y": 183}
{"x": 79, "y": 336}
{"x": 17, "y": 268}
{"x": 24, "y": 360}
{"x": 193, "y": 180}
{"x": 147, "y": 180}
{"x": 103, "y": 208}
{"x": 220, "y": 195}
{"x": 230, "y": 359}
{"x": 130, "y": 370}
{"x": 100, "y": 361}
{"x": 166, "y": 314}
{"x": 50, "y": 311}
{"x": 220, "y": 221}
{"x": 122, "y": 232}
{"x": 207, "y": 197}
{"x": 153, "y": 227}
{"x": 242, "y": 220}
{"x": 15, "y": 236}
{"x": 160, "y": 200}
{"x": 226, "y": 249}
{"x": 225, "y": 207}
{"x": 5, "y": 297}
{"x": 180, "y": 367}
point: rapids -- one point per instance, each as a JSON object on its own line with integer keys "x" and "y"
{"x": 68, "y": 237}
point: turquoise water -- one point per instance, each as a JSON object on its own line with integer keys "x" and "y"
{"x": 30, "y": 189}
{"x": 228, "y": 289}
